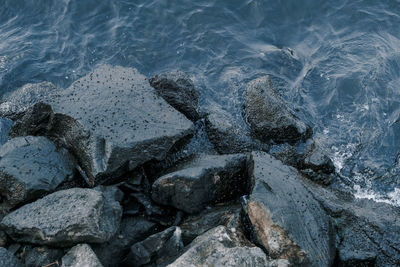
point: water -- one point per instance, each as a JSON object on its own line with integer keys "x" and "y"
{"x": 336, "y": 62}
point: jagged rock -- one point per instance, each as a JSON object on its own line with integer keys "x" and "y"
{"x": 269, "y": 116}
{"x": 160, "y": 248}
{"x": 31, "y": 166}
{"x": 221, "y": 247}
{"x": 205, "y": 180}
{"x": 285, "y": 219}
{"x": 132, "y": 230}
{"x": 8, "y": 259}
{"x": 286, "y": 153}
{"x": 41, "y": 256}
{"x": 65, "y": 217}
{"x": 317, "y": 160}
{"x": 125, "y": 125}
{"x": 5, "y": 127}
{"x": 195, "y": 225}
{"x": 178, "y": 90}
{"x": 81, "y": 255}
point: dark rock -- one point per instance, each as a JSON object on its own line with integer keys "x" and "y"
{"x": 8, "y": 259}
{"x": 3, "y": 239}
{"x": 41, "y": 256}
{"x": 37, "y": 120}
{"x": 319, "y": 177}
{"x": 132, "y": 230}
{"x": 81, "y": 255}
{"x": 65, "y": 217}
{"x": 160, "y": 248}
{"x": 125, "y": 125}
{"x": 317, "y": 160}
{"x": 178, "y": 90}
{"x": 269, "y": 116}
{"x": 205, "y": 180}
{"x": 221, "y": 247}
{"x": 31, "y": 166}
{"x": 5, "y": 127}
{"x": 286, "y": 220}
{"x": 286, "y": 153}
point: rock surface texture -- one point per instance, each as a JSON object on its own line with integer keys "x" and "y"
{"x": 65, "y": 218}
{"x": 178, "y": 90}
{"x": 207, "y": 179}
{"x": 286, "y": 220}
{"x": 79, "y": 256}
{"x": 8, "y": 259}
{"x": 5, "y": 127}
{"x": 269, "y": 116}
{"x": 31, "y": 166}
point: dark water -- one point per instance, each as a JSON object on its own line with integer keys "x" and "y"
{"x": 336, "y": 62}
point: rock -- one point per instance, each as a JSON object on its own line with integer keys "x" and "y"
{"x": 286, "y": 153}
{"x": 269, "y": 116}
{"x": 65, "y": 218}
{"x": 317, "y": 160}
{"x": 285, "y": 219}
{"x": 3, "y": 239}
{"x": 160, "y": 248}
{"x": 81, "y": 255}
{"x": 8, "y": 259}
{"x": 221, "y": 247}
{"x": 30, "y": 167}
{"x": 36, "y": 120}
{"x": 178, "y": 90}
{"x": 125, "y": 125}
{"x": 205, "y": 180}
{"x": 41, "y": 256}
{"x": 5, "y": 127}
{"x": 132, "y": 230}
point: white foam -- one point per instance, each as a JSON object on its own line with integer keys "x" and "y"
{"x": 392, "y": 198}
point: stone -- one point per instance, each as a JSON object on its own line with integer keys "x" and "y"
{"x": 65, "y": 218}
{"x": 126, "y": 124}
{"x": 30, "y": 167}
{"x": 178, "y": 90}
{"x": 268, "y": 115}
{"x": 5, "y": 127}
{"x": 316, "y": 159}
{"x": 8, "y": 259}
{"x": 221, "y": 247}
{"x": 284, "y": 217}
{"x": 41, "y": 256}
{"x": 204, "y": 180}
{"x": 81, "y": 255}
{"x": 158, "y": 249}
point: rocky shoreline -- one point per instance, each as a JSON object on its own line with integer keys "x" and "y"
{"x": 96, "y": 175}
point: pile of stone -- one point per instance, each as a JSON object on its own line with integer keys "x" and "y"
{"x": 93, "y": 175}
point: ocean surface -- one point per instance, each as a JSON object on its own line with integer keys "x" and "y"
{"x": 337, "y": 63}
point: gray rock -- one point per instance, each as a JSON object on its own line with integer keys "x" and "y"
{"x": 125, "y": 125}
{"x": 30, "y": 167}
{"x": 5, "y": 127}
{"x": 65, "y": 218}
{"x": 221, "y": 247}
{"x": 316, "y": 159}
{"x": 81, "y": 255}
{"x": 269, "y": 116}
{"x": 178, "y": 90}
{"x": 158, "y": 249}
{"x": 41, "y": 256}
{"x": 205, "y": 180}
{"x": 286, "y": 220}
{"x": 8, "y": 259}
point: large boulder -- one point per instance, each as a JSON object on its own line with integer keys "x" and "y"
{"x": 30, "y": 167}
{"x": 79, "y": 256}
{"x": 205, "y": 180}
{"x": 8, "y": 259}
{"x": 65, "y": 218}
{"x": 221, "y": 247}
{"x": 269, "y": 116}
{"x": 284, "y": 217}
{"x": 178, "y": 90}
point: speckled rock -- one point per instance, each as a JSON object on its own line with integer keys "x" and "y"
{"x": 269, "y": 116}
{"x": 31, "y": 166}
{"x": 79, "y": 256}
{"x": 178, "y": 90}
{"x": 65, "y": 218}
{"x": 114, "y": 121}
{"x": 8, "y": 259}
{"x": 40, "y": 256}
{"x": 285, "y": 218}
{"x": 205, "y": 180}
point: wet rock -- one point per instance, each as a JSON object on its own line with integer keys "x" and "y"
{"x": 65, "y": 218}
{"x": 158, "y": 249}
{"x": 8, "y": 259}
{"x": 5, "y": 127}
{"x": 131, "y": 231}
{"x": 30, "y": 167}
{"x": 81, "y": 255}
{"x": 286, "y": 153}
{"x": 221, "y": 247}
{"x": 317, "y": 160}
{"x": 41, "y": 256}
{"x": 178, "y": 90}
{"x": 36, "y": 120}
{"x": 286, "y": 220}
{"x": 3, "y": 239}
{"x": 205, "y": 180}
{"x": 269, "y": 116}
{"x": 125, "y": 125}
